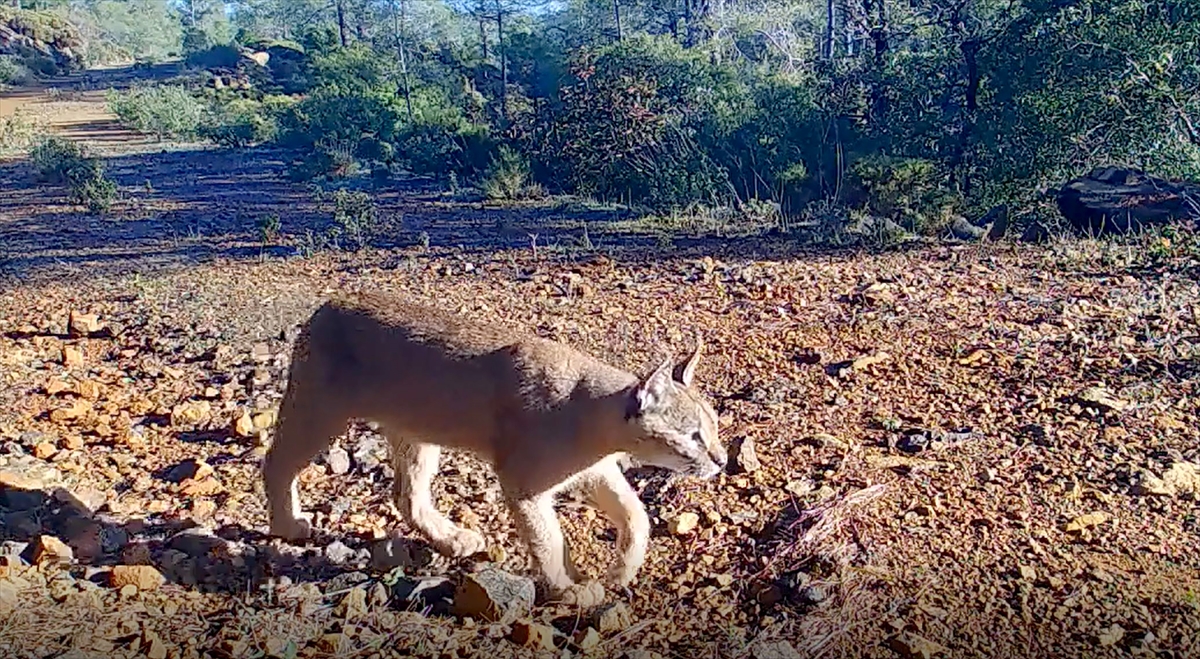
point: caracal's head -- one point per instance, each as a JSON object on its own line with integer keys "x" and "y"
{"x": 675, "y": 426}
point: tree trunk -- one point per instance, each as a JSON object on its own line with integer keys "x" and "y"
{"x": 399, "y": 19}
{"x": 829, "y": 17}
{"x": 876, "y": 13}
{"x": 502, "y": 53}
{"x": 617, "y": 17}
{"x": 961, "y": 161}
{"x": 341, "y": 21}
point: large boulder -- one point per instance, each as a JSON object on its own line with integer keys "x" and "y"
{"x": 1121, "y": 200}
{"x": 46, "y": 43}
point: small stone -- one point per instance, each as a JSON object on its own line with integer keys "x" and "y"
{"x": 330, "y": 643}
{"x": 1111, "y": 635}
{"x": 264, "y": 420}
{"x": 1103, "y": 399}
{"x": 49, "y": 549}
{"x": 153, "y": 646}
{"x": 56, "y": 386}
{"x": 613, "y": 618}
{"x": 774, "y": 650}
{"x": 206, "y": 487}
{"x": 812, "y": 595}
{"x": 494, "y": 595}
{"x": 72, "y": 355}
{"x": 338, "y": 553}
{"x": 190, "y": 468}
{"x": 203, "y": 509}
{"x": 533, "y": 635}
{"x": 190, "y": 412}
{"x": 44, "y": 451}
{"x": 127, "y": 591}
{"x": 83, "y": 324}
{"x": 1028, "y": 573}
{"x": 867, "y": 361}
{"x": 88, "y": 389}
{"x": 1180, "y": 479}
{"x": 338, "y": 460}
{"x": 1086, "y": 521}
{"x": 353, "y": 604}
{"x": 144, "y": 578}
{"x": 683, "y": 523}
{"x": 745, "y": 458}
{"x": 587, "y": 639}
{"x": 911, "y": 646}
{"x": 244, "y": 425}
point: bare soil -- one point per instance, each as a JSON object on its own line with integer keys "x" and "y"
{"x": 963, "y": 451}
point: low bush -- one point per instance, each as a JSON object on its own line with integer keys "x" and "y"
{"x": 59, "y": 161}
{"x": 912, "y": 192}
{"x": 165, "y": 111}
{"x": 507, "y": 177}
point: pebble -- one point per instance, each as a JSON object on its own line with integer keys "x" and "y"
{"x": 338, "y": 460}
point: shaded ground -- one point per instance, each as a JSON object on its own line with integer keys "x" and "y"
{"x": 964, "y": 451}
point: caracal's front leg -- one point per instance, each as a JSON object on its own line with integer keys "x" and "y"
{"x": 619, "y": 502}
{"x": 537, "y": 524}
{"x": 415, "y": 465}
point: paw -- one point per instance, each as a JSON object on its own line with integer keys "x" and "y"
{"x": 292, "y": 528}
{"x": 460, "y": 544}
{"x": 583, "y": 595}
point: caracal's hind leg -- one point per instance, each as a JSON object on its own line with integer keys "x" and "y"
{"x": 415, "y": 465}
{"x": 307, "y": 425}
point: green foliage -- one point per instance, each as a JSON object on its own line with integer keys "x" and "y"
{"x": 630, "y": 127}
{"x": 269, "y": 227}
{"x": 508, "y": 179}
{"x": 354, "y": 215}
{"x": 925, "y": 114}
{"x": 59, "y": 161}
{"x": 165, "y": 111}
{"x": 195, "y": 41}
{"x": 17, "y": 134}
{"x": 129, "y": 29}
{"x": 908, "y": 191}
{"x": 12, "y": 72}
{"x": 242, "y": 122}
{"x": 54, "y": 158}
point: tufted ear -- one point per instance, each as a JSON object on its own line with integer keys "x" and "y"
{"x": 686, "y": 369}
{"x": 652, "y": 392}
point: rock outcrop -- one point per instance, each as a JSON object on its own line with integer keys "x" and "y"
{"x": 1120, "y": 200}
{"x": 45, "y": 43}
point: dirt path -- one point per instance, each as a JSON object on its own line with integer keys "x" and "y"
{"x": 74, "y": 106}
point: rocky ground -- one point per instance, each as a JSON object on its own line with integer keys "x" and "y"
{"x": 950, "y": 451}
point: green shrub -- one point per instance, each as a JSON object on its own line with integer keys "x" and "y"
{"x": 10, "y": 71}
{"x": 54, "y": 157}
{"x": 17, "y": 134}
{"x": 629, "y": 127}
{"x": 166, "y": 111}
{"x": 59, "y": 161}
{"x": 242, "y": 122}
{"x": 507, "y": 177}
{"x": 911, "y": 192}
{"x": 354, "y": 215}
